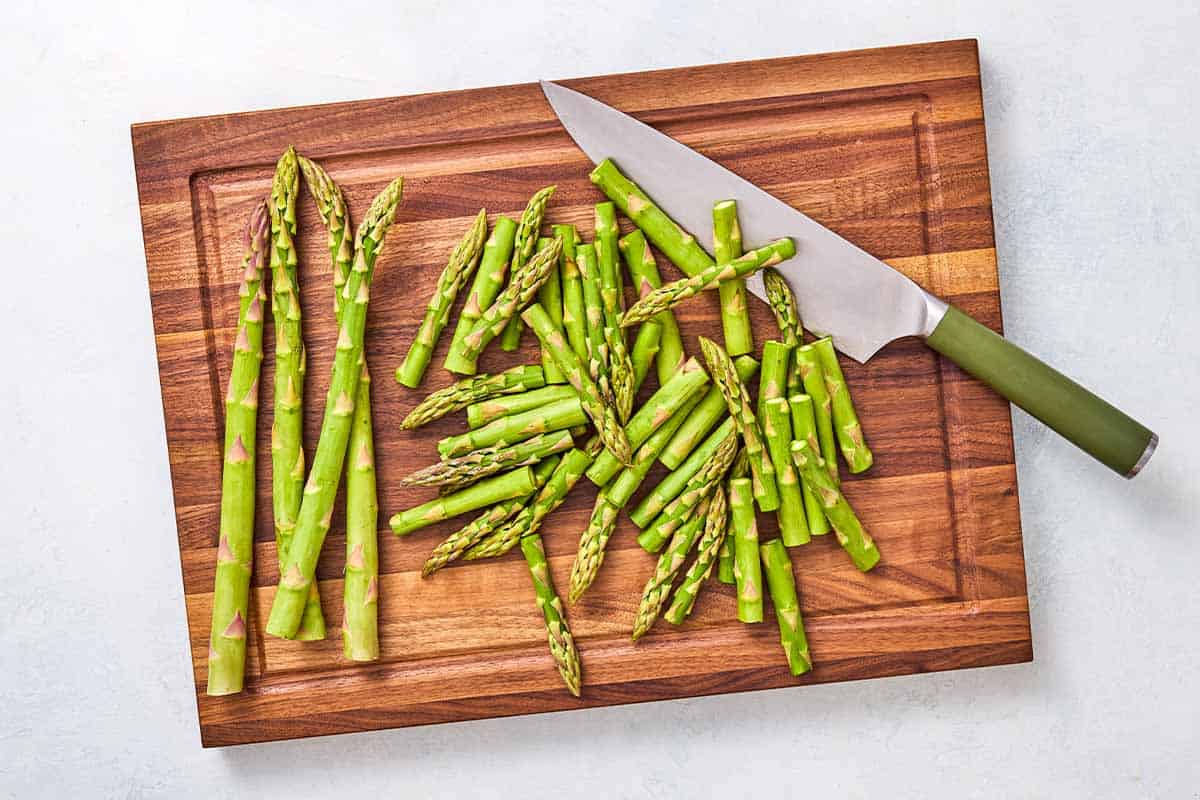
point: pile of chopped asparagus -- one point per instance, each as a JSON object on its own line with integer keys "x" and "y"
{"x": 528, "y": 443}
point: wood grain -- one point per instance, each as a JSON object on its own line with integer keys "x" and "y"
{"x": 884, "y": 146}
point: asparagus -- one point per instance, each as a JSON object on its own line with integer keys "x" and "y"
{"x": 606, "y": 232}
{"x": 494, "y": 489}
{"x": 521, "y": 290}
{"x": 846, "y": 526}
{"x": 646, "y": 346}
{"x": 676, "y": 244}
{"x": 490, "y": 460}
{"x": 557, "y": 416}
{"x": 331, "y": 205}
{"x": 698, "y": 488}
{"x": 804, "y": 427}
{"x": 621, "y": 377}
{"x": 787, "y": 317}
{"x": 658, "y": 587}
{"x": 674, "y": 484}
{"x": 592, "y": 542}
{"x": 762, "y": 471}
{"x": 777, "y": 428}
{"x": 485, "y": 411}
{"x": 845, "y": 419}
{"x": 235, "y": 547}
{"x": 747, "y": 571}
{"x": 321, "y": 488}
{"x": 602, "y": 416}
{"x": 644, "y": 271}
{"x": 781, "y": 583}
{"x": 529, "y": 519}
{"x": 621, "y": 488}
{"x": 715, "y": 526}
{"x": 672, "y": 294}
{"x": 482, "y": 526}
{"x": 661, "y": 406}
{"x": 470, "y": 390}
{"x": 772, "y": 379}
{"x": 813, "y": 377}
{"x": 551, "y": 298}
{"x": 597, "y": 347}
{"x": 740, "y": 469}
{"x": 707, "y": 414}
{"x": 489, "y": 279}
{"x": 523, "y": 247}
{"x": 457, "y": 272}
{"x": 562, "y": 644}
{"x": 574, "y": 317}
{"x": 360, "y": 599}
{"x": 727, "y": 246}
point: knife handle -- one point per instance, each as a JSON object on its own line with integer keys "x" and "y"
{"x": 1098, "y": 428}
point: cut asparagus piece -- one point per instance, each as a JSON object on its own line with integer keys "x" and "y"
{"x": 562, "y": 644}
{"x": 458, "y": 270}
{"x": 621, "y": 488}
{"x": 787, "y": 317}
{"x": 715, "y": 525}
{"x": 737, "y": 401}
{"x": 235, "y": 544}
{"x": 592, "y": 543}
{"x": 777, "y": 428}
{"x": 698, "y": 488}
{"x": 644, "y": 272}
{"x": 710, "y": 411}
{"x": 772, "y": 378}
{"x": 321, "y": 488}
{"x": 529, "y": 519}
{"x": 574, "y": 317}
{"x": 747, "y": 571}
{"x": 813, "y": 377}
{"x": 489, "y": 280}
{"x": 474, "y": 389}
{"x": 658, "y": 587}
{"x": 804, "y": 427}
{"x": 846, "y": 526}
{"x": 645, "y": 348}
{"x": 674, "y": 484}
{"x": 597, "y": 347}
{"x": 661, "y": 406}
{"x": 489, "y": 460}
{"x": 725, "y": 561}
{"x": 551, "y": 298}
{"x": 670, "y": 295}
{"x": 620, "y": 366}
{"x": 506, "y": 431}
{"x": 612, "y": 435}
{"x": 527, "y": 235}
{"x": 360, "y": 598}
{"x": 727, "y": 246}
{"x": 485, "y": 411}
{"x": 781, "y": 583}
{"x": 495, "y": 489}
{"x": 846, "y": 426}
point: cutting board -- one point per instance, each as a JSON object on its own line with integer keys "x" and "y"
{"x": 886, "y": 147}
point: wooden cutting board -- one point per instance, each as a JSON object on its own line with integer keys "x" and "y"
{"x": 884, "y": 146}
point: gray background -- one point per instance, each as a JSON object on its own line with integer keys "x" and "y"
{"x": 1092, "y": 133}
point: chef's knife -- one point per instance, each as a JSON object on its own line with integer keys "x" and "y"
{"x": 844, "y": 291}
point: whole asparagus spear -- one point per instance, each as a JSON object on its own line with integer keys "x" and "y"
{"x": 845, "y": 419}
{"x": 787, "y": 317}
{"x": 489, "y": 279}
{"x": 715, "y": 526}
{"x": 762, "y": 471}
{"x": 672, "y": 294}
{"x": 804, "y": 427}
{"x": 782, "y": 585}
{"x": 592, "y": 543}
{"x": 658, "y": 587}
{"x": 529, "y": 519}
{"x": 331, "y": 205}
{"x": 360, "y": 620}
{"x": 457, "y": 272}
{"x": 522, "y": 288}
{"x": 562, "y": 644}
{"x": 474, "y": 389}
{"x": 644, "y": 271}
{"x": 321, "y": 488}
{"x": 846, "y": 527}
{"x": 710, "y": 411}
{"x": 489, "y": 460}
{"x": 747, "y": 570}
{"x": 505, "y": 431}
{"x": 485, "y": 411}
{"x": 603, "y": 417}
{"x": 527, "y": 235}
{"x": 495, "y": 489}
{"x": 574, "y": 317}
{"x": 727, "y": 246}
{"x": 482, "y": 526}
{"x": 235, "y": 546}
{"x": 551, "y": 298}
{"x": 777, "y": 428}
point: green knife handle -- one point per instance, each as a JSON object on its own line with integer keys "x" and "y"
{"x": 1100, "y": 429}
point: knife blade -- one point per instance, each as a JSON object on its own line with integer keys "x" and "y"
{"x": 841, "y": 290}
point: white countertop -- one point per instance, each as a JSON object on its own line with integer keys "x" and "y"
{"x": 1093, "y": 138}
